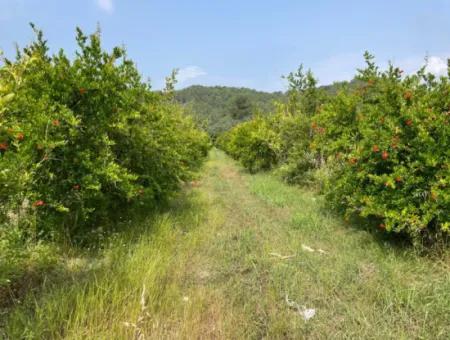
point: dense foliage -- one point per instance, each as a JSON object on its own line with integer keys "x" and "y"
{"x": 220, "y": 107}
{"x": 283, "y": 137}
{"x": 254, "y": 143}
{"x": 392, "y": 140}
{"x": 383, "y": 144}
{"x": 83, "y": 138}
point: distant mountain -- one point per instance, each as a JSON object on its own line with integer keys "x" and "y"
{"x": 220, "y": 107}
{"x": 333, "y": 89}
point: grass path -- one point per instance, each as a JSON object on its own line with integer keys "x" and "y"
{"x": 220, "y": 263}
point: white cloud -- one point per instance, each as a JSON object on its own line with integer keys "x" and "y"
{"x": 106, "y": 5}
{"x": 434, "y": 64}
{"x": 344, "y": 66}
{"x": 189, "y": 72}
{"x": 437, "y": 65}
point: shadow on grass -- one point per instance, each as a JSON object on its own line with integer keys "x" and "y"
{"x": 428, "y": 244}
{"x": 81, "y": 261}
{"x": 400, "y": 243}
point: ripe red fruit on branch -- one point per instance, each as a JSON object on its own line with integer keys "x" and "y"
{"x": 4, "y": 146}
{"x": 353, "y": 160}
{"x": 385, "y": 155}
{"x": 408, "y": 122}
{"x": 20, "y": 136}
{"x": 375, "y": 148}
{"x": 39, "y": 203}
{"x": 407, "y": 95}
{"x": 56, "y": 122}
{"x": 76, "y": 187}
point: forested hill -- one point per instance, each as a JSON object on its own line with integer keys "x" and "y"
{"x": 221, "y": 107}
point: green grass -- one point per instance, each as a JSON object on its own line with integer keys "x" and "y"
{"x": 209, "y": 271}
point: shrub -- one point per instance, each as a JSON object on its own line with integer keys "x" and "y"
{"x": 391, "y": 141}
{"x": 254, "y": 143}
{"x": 282, "y": 138}
{"x": 82, "y": 138}
{"x": 381, "y": 144}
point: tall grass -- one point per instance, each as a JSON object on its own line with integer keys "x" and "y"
{"x": 223, "y": 261}
{"x": 115, "y": 293}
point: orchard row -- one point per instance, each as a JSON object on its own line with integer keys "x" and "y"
{"x": 379, "y": 148}
{"x": 84, "y": 137}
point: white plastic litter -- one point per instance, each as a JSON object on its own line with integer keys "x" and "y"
{"x": 312, "y": 250}
{"x": 305, "y": 313}
{"x": 283, "y": 257}
{"x": 308, "y": 313}
{"x": 305, "y": 247}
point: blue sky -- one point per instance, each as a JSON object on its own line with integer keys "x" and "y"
{"x": 243, "y": 43}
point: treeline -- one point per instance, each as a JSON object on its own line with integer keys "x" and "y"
{"x": 80, "y": 140}
{"x": 379, "y": 148}
{"x": 219, "y": 108}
